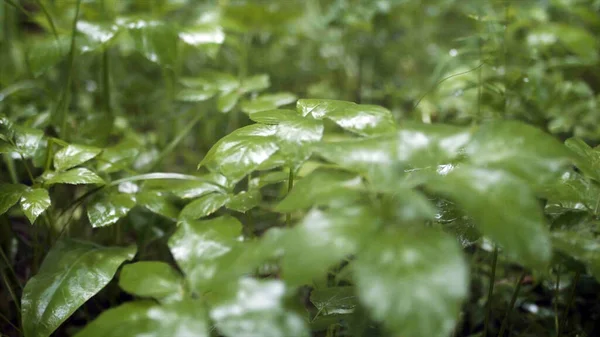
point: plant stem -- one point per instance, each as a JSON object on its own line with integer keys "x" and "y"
{"x": 556, "y": 294}
{"x": 11, "y": 324}
{"x": 488, "y": 311}
{"x": 288, "y": 216}
{"x": 504, "y": 325}
{"x": 569, "y": 303}
{"x": 10, "y": 291}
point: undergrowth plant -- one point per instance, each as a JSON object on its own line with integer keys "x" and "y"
{"x": 163, "y": 176}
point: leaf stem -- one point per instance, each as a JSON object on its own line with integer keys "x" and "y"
{"x": 288, "y": 216}
{"x": 556, "y": 294}
{"x": 569, "y": 304}
{"x": 513, "y": 300}
{"x": 488, "y": 311}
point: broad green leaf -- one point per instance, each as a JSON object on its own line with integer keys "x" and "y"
{"x": 523, "y": 150}
{"x": 586, "y": 158}
{"x": 504, "y": 208}
{"x": 76, "y": 176}
{"x": 71, "y": 273}
{"x": 575, "y": 39}
{"x": 34, "y": 202}
{"x": 110, "y": 209}
{"x": 155, "y": 40}
{"x": 157, "y": 202}
{"x": 204, "y": 206}
{"x": 195, "y": 189}
{"x": 151, "y": 279}
{"x": 195, "y": 95}
{"x": 148, "y": 319}
{"x": 10, "y": 194}
{"x": 223, "y": 82}
{"x": 362, "y": 119}
{"x": 242, "y": 151}
{"x": 27, "y": 140}
{"x": 257, "y": 308}
{"x": 227, "y": 101}
{"x": 268, "y": 102}
{"x": 274, "y": 116}
{"x": 296, "y": 138}
{"x": 255, "y": 83}
{"x": 197, "y": 245}
{"x": 245, "y": 200}
{"x": 96, "y": 35}
{"x": 413, "y": 282}
{"x": 118, "y": 157}
{"x": 573, "y": 190}
{"x": 323, "y": 239}
{"x": 580, "y": 246}
{"x": 334, "y": 301}
{"x": 73, "y": 155}
{"x": 44, "y": 54}
{"x": 202, "y": 34}
{"x": 320, "y": 187}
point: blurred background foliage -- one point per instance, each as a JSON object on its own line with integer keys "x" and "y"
{"x": 158, "y": 82}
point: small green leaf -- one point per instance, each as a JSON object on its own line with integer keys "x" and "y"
{"x": 334, "y": 301}
{"x": 193, "y": 189}
{"x": 108, "y": 211}
{"x": 256, "y": 308}
{"x": 72, "y": 272}
{"x": 96, "y": 35}
{"x": 268, "y": 102}
{"x": 511, "y": 215}
{"x": 27, "y": 140}
{"x": 320, "y": 187}
{"x": 581, "y": 247}
{"x": 34, "y": 202}
{"x": 244, "y": 201}
{"x": 45, "y": 53}
{"x": 413, "y": 282}
{"x": 148, "y": 319}
{"x": 195, "y": 95}
{"x": 73, "y": 155}
{"x": 155, "y": 40}
{"x": 202, "y": 34}
{"x": 586, "y": 158}
{"x": 255, "y": 83}
{"x": 274, "y": 116}
{"x": 151, "y": 279}
{"x": 157, "y": 202}
{"x": 362, "y": 119}
{"x": 76, "y": 176}
{"x": 204, "y": 206}
{"x": 118, "y": 157}
{"x": 227, "y": 101}
{"x": 10, "y": 194}
{"x": 197, "y": 245}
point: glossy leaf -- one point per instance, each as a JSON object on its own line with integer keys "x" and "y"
{"x": 34, "y": 202}
{"x": 96, "y": 35}
{"x": 256, "y": 308}
{"x": 359, "y": 118}
{"x": 157, "y": 202}
{"x": 486, "y": 195}
{"x": 334, "y": 301}
{"x": 586, "y": 158}
{"x": 71, "y": 273}
{"x": 151, "y": 279}
{"x": 74, "y": 155}
{"x": 195, "y": 189}
{"x": 148, "y": 319}
{"x": 44, "y": 54}
{"x": 244, "y": 201}
{"x": 109, "y": 210}
{"x": 195, "y": 95}
{"x": 118, "y": 157}
{"x": 268, "y": 102}
{"x": 76, "y": 176}
{"x": 10, "y": 194}
{"x": 255, "y": 83}
{"x": 226, "y": 102}
{"x": 27, "y": 140}
{"x": 581, "y": 247}
{"x": 413, "y": 282}
{"x": 197, "y": 245}
{"x": 202, "y": 34}
{"x": 155, "y": 40}
{"x": 204, "y": 206}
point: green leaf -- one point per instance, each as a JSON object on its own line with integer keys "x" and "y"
{"x": 158, "y": 203}
{"x": 71, "y": 273}
{"x": 151, "y": 279}
{"x": 334, "y": 301}
{"x": 95, "y": 35}
{"x": 320, "y": 187}
{"x": 155, "y": 40}
{"x": 523, "y": 150}
{"x": 580, "y": 246}
{"x": 76, "y": 176}
{"x": 256, "y": 308}
{"x": 109, "y": 210}
{"x": 195, "y": 95}
{"x": 27, "y": 140}
{"x": 73, "y": 155}
{"x": 202, "y": 34}
{"x": 148, "y": 319}
{"x": 118, "y": 157}
{"x": 362, "y": 119}
{"x": 242, "y": 151}
{"x": 34, "y": 202}
{"x": 10, "y": 194}
{"x": 586, "y": 158}
{"x": 413, "y": 282}
{"x": 573, "y": 190}
{"x": 44, "y": 54}
{"x": 268, "y": 102}
{"x": 504, "y": 208}
{"x": 244, "y": 201}
{"x": 197, "y": 245}
{"x": 227, "y": 101}
{"x": 204, "y": 206}
{"x": 194, "y": 189}
{"x": 255, "y": 83}
{"x": 274, "y": 116}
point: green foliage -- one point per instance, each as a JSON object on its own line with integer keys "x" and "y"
{"x": 366, "y": 168}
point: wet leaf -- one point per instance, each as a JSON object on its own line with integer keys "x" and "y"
{"x": 34, "y": 202}
{"x": 157, "y": 202}
{"x": 334, "y": 301}
{"x": 586, "y": 158}
{"x": 71, "y": 273}
{"x": 109, "y": 210}
{"x": 74, "y": 155}
{"x": 268, "y": 102}
{"x": 486, "y": 195}
{"x": 197, "y": 245}
{"x": 118, "y": 157}
{"x": 244, "y": 201}
{"x": 96, "y": 35}
{"x": 413, "y": 282}
{"x": 10, "y": 194}
{"x": 27, "y": 140}
{"x": 195, "y": 189}
{"x": 195, "y": 95}
{"x": 151, "y": 279}
{"x": 202, "y": 34}
{"x": 148, "y": 319}
{"x": 155, "y": 40}
{"x": 204, "y": 206}
{"x": 359, "y": 118}
{"x": 256, "y": 308}
{"x": 226, "y": 102}
{"x": 76, "y": 176}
